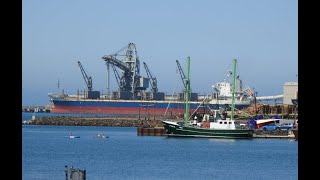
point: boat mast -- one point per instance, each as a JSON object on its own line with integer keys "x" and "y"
{"x": 233, "y": 87}
{"x": 186, "y": 115}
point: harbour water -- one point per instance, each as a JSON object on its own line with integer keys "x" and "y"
{"x": 124, "y": 155}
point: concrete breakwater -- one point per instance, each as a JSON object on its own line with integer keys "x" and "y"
{"x": 96, "y": 121}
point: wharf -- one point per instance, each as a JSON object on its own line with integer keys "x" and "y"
{"x": 160, "y": 131}
{"x": 273, "y": 134}
{"x": 268, "y": 136}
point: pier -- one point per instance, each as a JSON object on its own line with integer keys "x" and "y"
{"x": 273, "y": 134}
{"x": 276, "y": 134}
{"x": 268, "y": 136}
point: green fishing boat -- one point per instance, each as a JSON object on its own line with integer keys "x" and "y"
{"x": 213, "y": 127}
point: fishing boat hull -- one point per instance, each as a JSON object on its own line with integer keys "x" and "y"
{"x": 176, "y": 130}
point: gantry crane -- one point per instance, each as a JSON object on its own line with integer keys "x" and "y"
{"x": 153, "y": 80}
{"x": 86, "y": 78}
{"x": 130, "y": 81}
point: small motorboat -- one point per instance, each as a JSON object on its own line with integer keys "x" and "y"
{"x": 71, "y": 136}
{"x": 102, "y": 136}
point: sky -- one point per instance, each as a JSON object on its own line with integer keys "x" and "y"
{"x": 262, "y": 35}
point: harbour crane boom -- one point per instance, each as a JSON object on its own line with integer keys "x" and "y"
{"x": 183, "y": 76}
{"x": 116, "y": 74}
{"x": 153, "y": 80}
{"x": 111, "y": 59}
{"x": 86, "y": 78}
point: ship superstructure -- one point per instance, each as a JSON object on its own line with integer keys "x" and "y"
{"x": 223, "y": 93}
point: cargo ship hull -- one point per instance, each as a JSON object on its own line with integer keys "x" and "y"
{"x": 131, "y": 107}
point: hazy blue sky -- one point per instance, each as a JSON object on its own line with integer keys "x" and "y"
{"x": 261, "y": 34}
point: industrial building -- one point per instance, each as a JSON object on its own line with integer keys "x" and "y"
{"x": 290, "y": 91}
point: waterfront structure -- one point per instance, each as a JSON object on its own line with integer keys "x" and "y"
{"x": 290, "y": 91}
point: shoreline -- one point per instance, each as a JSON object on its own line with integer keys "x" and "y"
{"x": 154, "y": 122}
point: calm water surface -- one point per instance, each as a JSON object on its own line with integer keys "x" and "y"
{"x": 45, "y": 152}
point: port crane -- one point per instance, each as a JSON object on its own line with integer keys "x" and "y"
{"x": 130, "y": 81}
{"x": 86, "y": 78}
{"x": 153, "y": 79}
{"x": 193, "y": 96}
{"x": 118, "y": 79}
{"x": 183, "y": 76}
